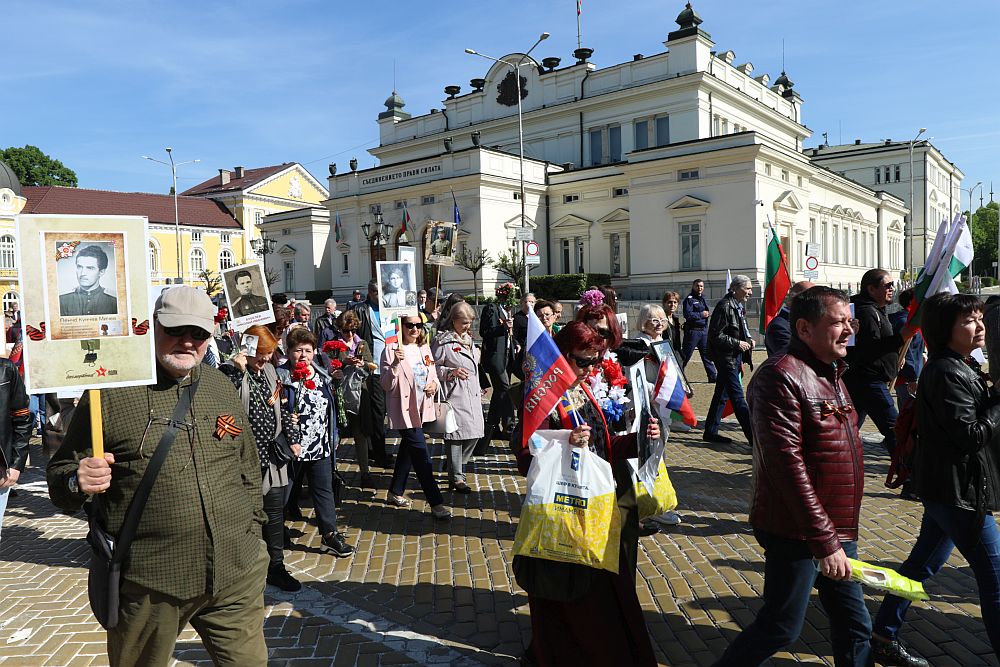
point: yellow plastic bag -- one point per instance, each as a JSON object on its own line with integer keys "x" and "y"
{"x": 885, "y": 579}
{"x": 663, "y": 499}
{"x": 570, "y": 512}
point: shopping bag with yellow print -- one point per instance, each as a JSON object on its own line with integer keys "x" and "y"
{"x": 570, "y": 511}
{"x": 662, "y": 499}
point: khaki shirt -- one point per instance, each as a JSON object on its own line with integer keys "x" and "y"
{"x": 200, "y": 530}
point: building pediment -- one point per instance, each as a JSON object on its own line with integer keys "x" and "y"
{"x": 688, "y": 205}
{"x": 515, "y": 223}
{"x": 343, "y": 247}
{"x": 617, "y": 215}
{"x": 571, "y": 223}
{"x": 286, "y": 250}
{"x": 933, "y": 196}
{"x": 788, "y": 202}
{"x": 292, "y": 183}
{"x": 896, "y": 226}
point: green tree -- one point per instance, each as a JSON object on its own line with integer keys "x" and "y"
{"x": 33, "y": 167}
{"x": 983, "y": 224}
{"x": 473, "y": 261}
{"x": 511, "y": 264}
{"x": 212, "y": 280}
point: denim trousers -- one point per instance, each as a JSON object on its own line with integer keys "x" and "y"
{"x": 789, "y": 576}
{"x": 943, "y": 528}
{"x": 413, "y": 454}
{"x": 697, "y": 339}
{"x": 872, "y": 399}
{"x": 728, "y": 386}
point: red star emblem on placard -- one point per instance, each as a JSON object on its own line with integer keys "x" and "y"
{"x": 102, "y": 371}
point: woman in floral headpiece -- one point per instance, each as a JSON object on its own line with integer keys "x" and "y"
{"x": 606, "y": 380}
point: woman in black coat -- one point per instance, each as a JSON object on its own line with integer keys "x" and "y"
{"x": 956, "y": 468}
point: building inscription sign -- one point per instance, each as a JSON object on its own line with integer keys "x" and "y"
{"x": 397, "y": 175}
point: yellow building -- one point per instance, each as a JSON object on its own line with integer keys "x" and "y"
{"x": 251, "y": 194}
{"x": 11, "y": 203}
{"x": 208, "y": 236}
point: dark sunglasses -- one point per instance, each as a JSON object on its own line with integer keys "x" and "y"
{"x": 604, "y": 333}
{"x": 412, "y": 325}
{"x": 196, "y": 333}
{"x": 584, "y": 362}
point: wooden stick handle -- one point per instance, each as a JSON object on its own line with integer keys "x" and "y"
{"x": 96, "y": 424}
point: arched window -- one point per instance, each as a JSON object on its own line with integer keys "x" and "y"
{"x": 226, "y": 260}
{"x": 7, "y": 252}
{"x": 154, "y": 258}
{"x": 197, "y": 262}
{"x": 10, "y": 299}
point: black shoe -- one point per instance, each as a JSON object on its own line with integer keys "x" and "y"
{"x": 716, "y": 438}
{"x": 894, "y": 654}
{"x": 293, "y": 513}
{"x": 335, "y": 544}
{"x": 647, "y": 528}
{"x": 386, "y": 462}
{"x": 278, "y": 576}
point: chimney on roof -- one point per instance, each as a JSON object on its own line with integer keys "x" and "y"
{"x": 857, "y": 142}
{"x": 888, "y": 142}
{"x": 239, "y": 172}
{"x": 223, "y": 177}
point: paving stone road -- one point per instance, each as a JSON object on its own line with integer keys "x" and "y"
{"x": 424, "y": 592}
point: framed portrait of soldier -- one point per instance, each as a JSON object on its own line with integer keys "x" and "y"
{"x": 664, "y": 350}
{"x": 440, "y": 244}
{"x": 247, "y": 296}
{"x": 397, "y": 291}
{"x": 85, "y": 283}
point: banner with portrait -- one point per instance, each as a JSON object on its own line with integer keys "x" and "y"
{"x": 439, "y": 245}
{"x": 85, "y": 286}
{"x": 247, "y": 296}
{"x": 396, "y": 292}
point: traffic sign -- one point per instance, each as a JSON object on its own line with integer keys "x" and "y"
{"x": 532, "y": 259}
{"x": 810, "y": 275}
{"x": 531, "y": 249}
{"x": 524, "y": 234}
{"x": 812, "y": 263}
{"x": 813, "y": 249}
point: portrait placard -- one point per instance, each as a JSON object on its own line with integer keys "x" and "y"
{"x": 664, "y": 350}
{"x": 247, "y": 296}
{"x": 407, "y": 253}
{"x": 440, "y": 243}
{"x": 88, "y": 318}
{"x": 396, "y": 291}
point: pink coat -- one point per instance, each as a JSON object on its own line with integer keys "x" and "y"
{"x": 401, "y": 396}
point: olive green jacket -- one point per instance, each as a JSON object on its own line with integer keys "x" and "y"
{"x": 200, "y": 530}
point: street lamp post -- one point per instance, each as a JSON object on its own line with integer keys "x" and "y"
{"x": 909, "y": 269}
{"x": 177, "y": 220}
{"x": 520, "y": 133}
{"x": 380, "y": 235}
{"x": 263, "y": 246}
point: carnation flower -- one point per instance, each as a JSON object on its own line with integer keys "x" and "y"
{"x": 336, "y": 365}
{"x": 222, "y": 315}
{"x": 309, "y": 384}
{"x": 300, "y": 371}
{"x": 593, "y": 297}
{"x": 334, "y": 346}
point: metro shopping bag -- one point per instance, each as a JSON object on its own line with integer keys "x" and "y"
{"x": 570, "y": 512}
{"x": 662, "y": 499}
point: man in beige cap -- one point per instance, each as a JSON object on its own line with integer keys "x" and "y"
{"x": 197, "y": 556}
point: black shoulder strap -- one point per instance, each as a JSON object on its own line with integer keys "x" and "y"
{"x": 138, "y": 503}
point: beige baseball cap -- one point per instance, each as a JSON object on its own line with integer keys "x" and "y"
{"x": 182, "y": 306}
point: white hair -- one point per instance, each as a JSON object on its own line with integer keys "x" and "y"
{"x": 648, "y": 311}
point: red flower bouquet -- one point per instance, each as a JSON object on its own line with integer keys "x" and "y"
{"x": 336, "y": 365}
{"x": 300, "y": 371}
{"x": 332, "y": 347}
{"x": 222, "y": 315}
{"x": 309, "y": 384}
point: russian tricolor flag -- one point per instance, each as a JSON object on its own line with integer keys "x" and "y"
{"x": 547, "y": 376}
{"x": 669, "y": 393}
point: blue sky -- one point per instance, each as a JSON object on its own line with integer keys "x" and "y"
{"x": 97, "y": 84}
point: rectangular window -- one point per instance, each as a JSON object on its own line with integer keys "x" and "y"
{"x": 619, "y": 192}
{"x": 566, "y": 257}
{"x": 286, "y": 232}
{"x": 784, "y": 175}
{"x": 663, "y": 130}
{"x": 195, "y": 237}
{"x": 823, "y": 242}
{"x": 835, "y": 245}
{"x": 289, "y": 276}
{"x": 346, "y": 266}
{"x": 855, "y": 256}
{"x": 517, "y": 196}
{"x": 878, "y": 175}
{"x": 427, "y": 199}
{"x": 687, "y": 175}
{"x": 258, "y": 217}
{"x": 615, "y": 143}
{"x": 569, "y": 199}
{"x": 799, "y": 181}
{"x": 400, "y": 203}
{"x": 616, "y": 255}
{"x": 596, "y": 145}
{"x": 725, "y": 126}
{"x": 226, "y": 237}
{"x": 844, "y": 257}
{"x": 885, "y": 174}
{"x": 767, "y": 169}
{"x": 812, "y": 230}
{"x": 895, "y": 173}
{"x": 716, "y": 127}
{"x": 579, "y": 255}
{"x": 641, "y": 134}
{"x": 690, "y": 246}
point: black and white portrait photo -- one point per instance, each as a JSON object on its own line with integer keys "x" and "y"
{"x": 87, "y": 280}
{"x": 247, "y": 296}
{"x": 397, "y": 286}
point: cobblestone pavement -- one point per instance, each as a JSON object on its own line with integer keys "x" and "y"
{"x": 424, "y": 592}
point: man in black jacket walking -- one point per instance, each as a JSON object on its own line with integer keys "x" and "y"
{"x": 873, "y": 359}
{"x": 496, "y": 328}
{"x": 373, "y": 419}
{"x": 14, "y": 432}
{"x": 730, "y": 345}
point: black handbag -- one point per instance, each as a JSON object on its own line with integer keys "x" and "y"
{"x": 107, "y": 555}
{"x": 281, "y": 451}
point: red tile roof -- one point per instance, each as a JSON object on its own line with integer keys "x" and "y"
{"x": 250, "y": 177}
{"x": 193, "y": 211}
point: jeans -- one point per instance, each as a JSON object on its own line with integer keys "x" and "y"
{"x": 943, "y": 528}
{"x": 874, "y": 399}
{"x": 413, "y": 453}
{"x": 728, "y": 386}
{"x": 459, "y": 452}
{"x": 903, "y": 397}
{"x": 4, "y": 496}
{"x": 320, "y": 476}
{"x": 789, "y": 576}
{"x": 697, "y": 338}
{"x": 273, "y": 531}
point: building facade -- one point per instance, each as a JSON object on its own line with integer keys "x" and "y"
{"x": 663, "y": 169}
{"x": 11, "y": 203}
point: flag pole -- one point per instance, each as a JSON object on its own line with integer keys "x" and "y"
{"x": 579, "y": 10}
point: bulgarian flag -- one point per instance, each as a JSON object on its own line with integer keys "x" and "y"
{"x": 337, "y": 228}
{"x": 405, "y": 224}
{"x": 947, "y": 260}
{"x": 776, "y": 280}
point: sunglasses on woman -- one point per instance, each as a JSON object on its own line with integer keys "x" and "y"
{"x": 412, "y": 325}
{"x": 584, "y": 362}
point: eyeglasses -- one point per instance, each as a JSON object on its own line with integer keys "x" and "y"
{"x": 584, "y": 362}
{"x": 411, "y": 325}
{"x": 196, "y": 333}
{"x": 604, "y": 333}
{"x": 889, "y": 285}
{"x": 656, "y": 320}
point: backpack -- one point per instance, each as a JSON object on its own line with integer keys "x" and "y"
{"x": 901, "y": 466}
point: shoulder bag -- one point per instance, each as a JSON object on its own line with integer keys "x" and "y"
{"x": 444, "y": 417}
{"x": 106, "y": 554}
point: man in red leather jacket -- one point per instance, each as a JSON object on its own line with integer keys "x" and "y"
{"x": 808, "y": 478}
